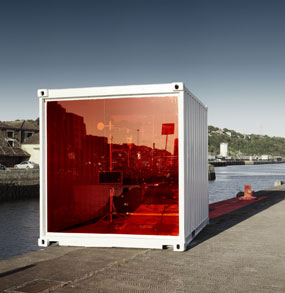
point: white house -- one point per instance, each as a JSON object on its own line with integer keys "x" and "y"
{"x": 31, "y": 145}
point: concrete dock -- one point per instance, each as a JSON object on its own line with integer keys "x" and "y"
{"x": 240, "y": 251}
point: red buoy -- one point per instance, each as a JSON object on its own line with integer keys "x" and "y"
{"x": 248, "y": 193}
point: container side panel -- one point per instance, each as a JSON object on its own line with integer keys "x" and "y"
{"x": 196, "y": 180}
{"x": 112, "y": 166}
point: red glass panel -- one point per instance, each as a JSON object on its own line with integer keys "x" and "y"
{"x": 112, "y": 166}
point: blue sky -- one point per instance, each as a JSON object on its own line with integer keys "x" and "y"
{"x": 229, "y": 53}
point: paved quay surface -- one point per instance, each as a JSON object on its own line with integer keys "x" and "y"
{"x": 242, "y": 251}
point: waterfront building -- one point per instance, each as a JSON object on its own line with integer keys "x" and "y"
{"x": 12, "y": 135}
{"x": 224, "y": 149}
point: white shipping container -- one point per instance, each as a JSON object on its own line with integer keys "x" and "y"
{"x": 123, "y": 166}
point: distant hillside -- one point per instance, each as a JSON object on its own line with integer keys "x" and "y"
{"x": 238, "y": 143}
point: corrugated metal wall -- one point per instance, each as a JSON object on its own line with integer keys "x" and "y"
{"x": 196, "y": 173}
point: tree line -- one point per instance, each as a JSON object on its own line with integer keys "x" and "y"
{"x": 239, "y": 143}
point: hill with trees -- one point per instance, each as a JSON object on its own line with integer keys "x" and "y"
{"x": 239, "y": 143}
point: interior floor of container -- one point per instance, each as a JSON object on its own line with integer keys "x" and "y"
{"x": 149, "y": 218}
{"x": 146, "y": 220}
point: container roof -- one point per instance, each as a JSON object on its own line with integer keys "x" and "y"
{"x": 164, "y": 88}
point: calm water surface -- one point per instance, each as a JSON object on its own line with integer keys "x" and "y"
{"x": 19, "y": 220}
{"x": 19, "y": 227}
{"x": 231, "y": 180}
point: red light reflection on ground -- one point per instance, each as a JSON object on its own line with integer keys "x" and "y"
{"x": 227, "y": 206}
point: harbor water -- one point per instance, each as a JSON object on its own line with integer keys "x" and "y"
{"x": 231, "y": 179}
{"x": 19, "y": 227}
{"x": 19, "y": 220}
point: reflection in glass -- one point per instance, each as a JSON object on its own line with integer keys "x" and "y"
{"x": 113, "y": 166}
